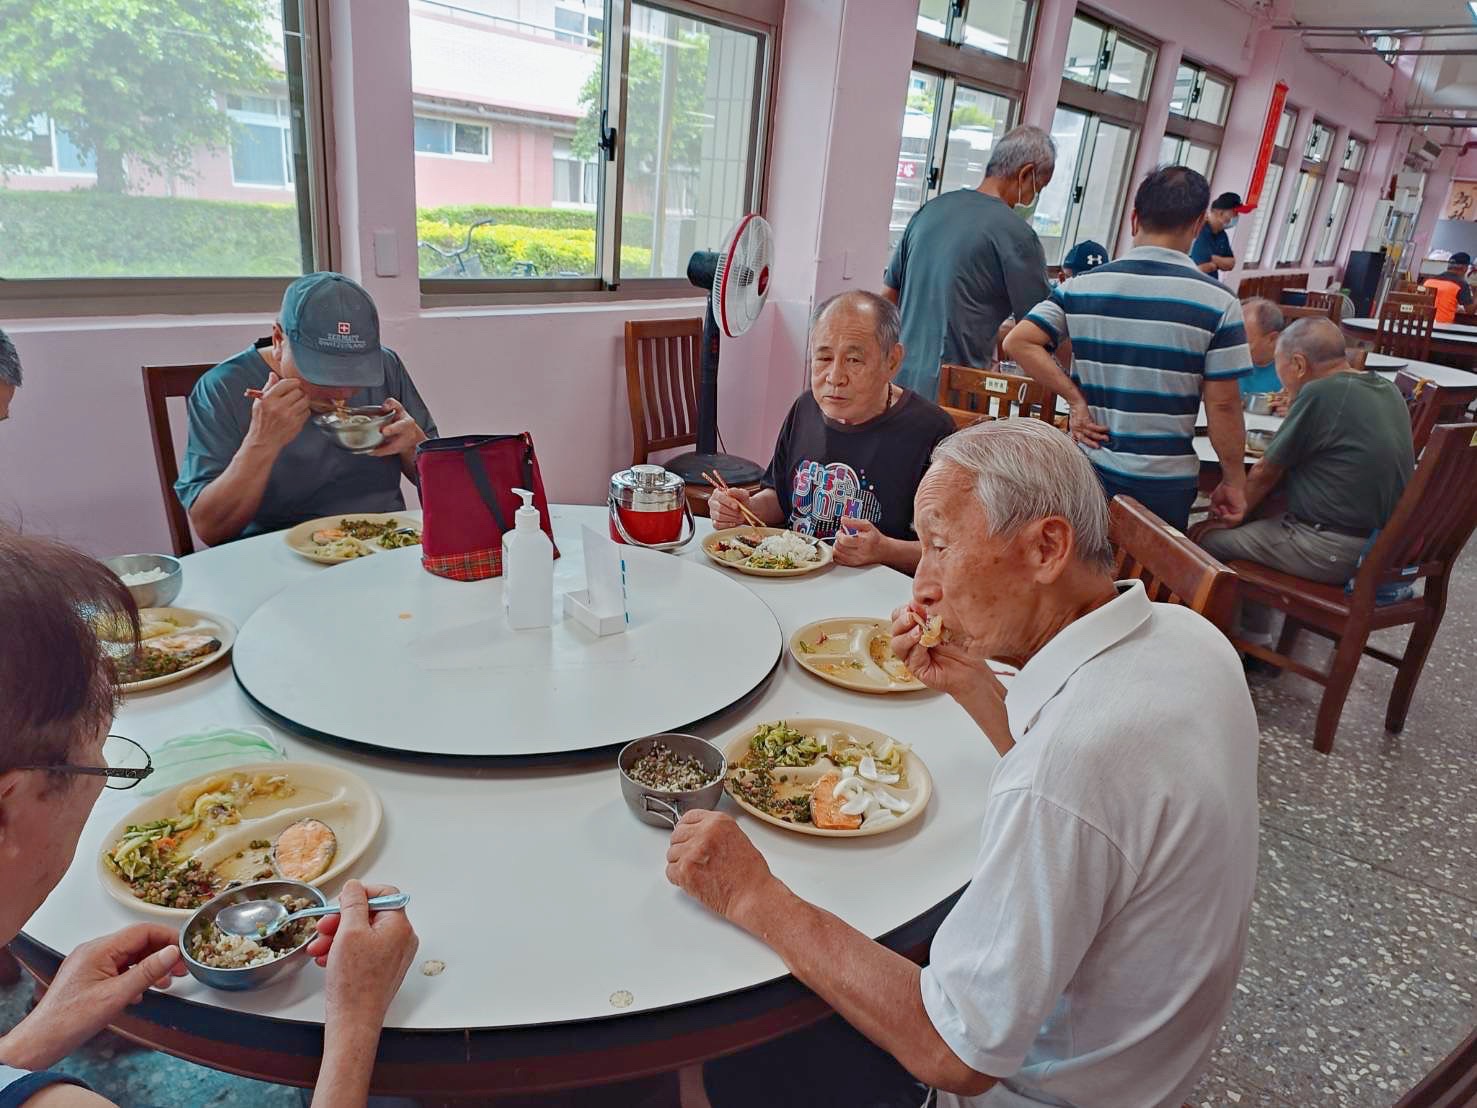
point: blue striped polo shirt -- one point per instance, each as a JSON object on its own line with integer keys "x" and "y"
{"x": 1147, "y": 330}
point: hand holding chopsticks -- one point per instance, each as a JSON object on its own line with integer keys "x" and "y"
{"x": 716, "y": 480}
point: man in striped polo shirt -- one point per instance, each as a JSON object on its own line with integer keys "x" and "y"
{"x": 1151, "y": 335}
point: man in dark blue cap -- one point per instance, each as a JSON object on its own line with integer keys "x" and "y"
{"x": 253, "y": 464}
{"x": 1084, "y": 258}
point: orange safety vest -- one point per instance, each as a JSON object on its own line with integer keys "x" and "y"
{"x": 1447, "y": 293}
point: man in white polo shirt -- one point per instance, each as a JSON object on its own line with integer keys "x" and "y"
{"x": 1094, "y": 954}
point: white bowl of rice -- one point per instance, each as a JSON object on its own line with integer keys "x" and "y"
{"x": 236, "y": 963}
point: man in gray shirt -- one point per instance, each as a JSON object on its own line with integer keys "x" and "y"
{"x": 969, "y": 260}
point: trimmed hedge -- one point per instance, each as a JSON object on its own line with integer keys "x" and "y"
{"x": 89, "y": 233}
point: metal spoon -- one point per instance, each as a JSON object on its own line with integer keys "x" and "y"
{"x": 261, "y": 919}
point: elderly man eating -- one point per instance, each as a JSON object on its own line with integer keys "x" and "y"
{"x": 253, "y": 464}
{"x": 1094, "y": 954}
{"x": 56, "y": 706}
{"x": 854, "y": 446}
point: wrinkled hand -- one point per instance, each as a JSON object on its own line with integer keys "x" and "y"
{"x": 723, "y": 508}
{"x": 1228, "y": 504}
{"x": 402, "y": 434}
{"x": 1280, "y": 403}
{"x": 712, "y": 860}
{"x": 280, "y": 412}
{"x": 948, "y": 668}
{"x": 859, "y": 543}
{"x": 95, "y": 982}
{"x": 366, "y": 953}
{"x": 1083, "y": 428}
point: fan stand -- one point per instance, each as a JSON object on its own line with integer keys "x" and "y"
{"x": 701, "y": 269}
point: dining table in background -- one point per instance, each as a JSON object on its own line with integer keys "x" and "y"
{"x": 569, "y": 959}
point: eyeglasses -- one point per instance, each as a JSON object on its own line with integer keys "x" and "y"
{"x": 127, "y": 764}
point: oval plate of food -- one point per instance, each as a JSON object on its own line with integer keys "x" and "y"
{"x": 174, "y": 643}
{"x": 767, "y": 551}
{"x": 854, "y": 652}
{"x": 233, "y": 826}
{"x": 335, "y": 539}
{"x": 825, "y": 777}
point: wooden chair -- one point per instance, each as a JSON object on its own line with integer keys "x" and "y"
{"x": 1331, "y": 303}
{"x": 1291, "y": 312}
{"x": 1419, "y": 295}
{"x": 1251, "y": 287}
{"x": 1432, "y": 522}
{"x": 1451, "y": 1084}
{"x": 662, "y": 360}
{"x": 990, "y": 394}
{"x": 1404, "y": 328}
{"x": 1430, "y": 404}
{"x": 1174, "y": 570}
{"x": 161, "y": 383}
{"x": 962, "y": 418}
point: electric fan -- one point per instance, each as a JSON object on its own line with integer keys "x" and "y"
{"x": 738, "y": 280}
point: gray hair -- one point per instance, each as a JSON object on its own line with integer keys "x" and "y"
{"x": 1022, "y": 146}
{"x": 1024, "y": 470}
{"x": 1267, "y": 316}
{"x": 886, "y": 320}
{"x": 10, "y": 362}
{"x": 1316, "y": 339}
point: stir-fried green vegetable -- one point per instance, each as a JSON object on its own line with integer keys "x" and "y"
{"x": 782, "y": 745}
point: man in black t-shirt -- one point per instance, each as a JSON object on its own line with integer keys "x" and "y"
{"x": 853, "y": 449}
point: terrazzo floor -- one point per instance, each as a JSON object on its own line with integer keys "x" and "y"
{"x": 1362, "y": 957}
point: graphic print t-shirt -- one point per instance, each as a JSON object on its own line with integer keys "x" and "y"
{"x": 824, "y": 470}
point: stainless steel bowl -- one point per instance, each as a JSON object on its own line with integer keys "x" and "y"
{"x": 1257, "y": 441}
{"x": 357, "y": 430}
{"x": 249, "y": 977}
{"x": 1258, "y": 403}
{"x": 156, "y": 594}
{"x": 664, "y": 807}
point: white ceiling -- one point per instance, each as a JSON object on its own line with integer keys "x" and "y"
{"x": 1379, "y": 13}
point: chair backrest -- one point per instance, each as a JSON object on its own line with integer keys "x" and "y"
{"x": 1294, "y": 280}
{"x": 662, "y": 359}
{"x": 1405, "y": 287}
{"x": 1291, "y": 312}
{"x": 1433, "y": 519}
{"x": 962, "y": 418}
{"x": 1174, "y": 569}
{"x": 1430, "y": 404}
{"x": 1418, "y": 295}
{"x": 994, "y": 395}
{"x": 1251, "y": 287}
{"x": 1405, "y": 325}
{"x": 162, "y": 382}
{"x": 1330, "y": 302}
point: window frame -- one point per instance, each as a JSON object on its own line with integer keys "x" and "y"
{"x": 1318, "y": 171}
{"x": 1113, "y": 32}
{"x": 607, "y": 282}
{"x": 1087, "y": 147}
{"x": 454, "y": 122}
{"x": 281, "y": 122}
{"x": 312, "y": 155}
{"x": 1351, "y": 178}
{"x": 1279, "y": 159}
{"x": 956, "y": 28}
{"x": 1199, "y": 131}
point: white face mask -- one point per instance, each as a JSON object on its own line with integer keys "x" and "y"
{"x": 1028, "y": 211}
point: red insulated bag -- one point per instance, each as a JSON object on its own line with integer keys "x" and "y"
{"x": 467, "y": 500}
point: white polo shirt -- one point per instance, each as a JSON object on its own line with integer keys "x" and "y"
{"x": 1094, "y": 956}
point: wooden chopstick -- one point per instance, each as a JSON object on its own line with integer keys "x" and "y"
{"x": 716, "y": 480}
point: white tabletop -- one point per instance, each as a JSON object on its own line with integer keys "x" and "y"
{"x": 537, "y": 887}
{"x": 697, "y": 642}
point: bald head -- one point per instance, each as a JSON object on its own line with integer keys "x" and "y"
{"x": 1309, "y": 349}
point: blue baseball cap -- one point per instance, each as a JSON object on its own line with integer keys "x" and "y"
{"x": 334, "y": 329}
{"x": 1085, "y": 257}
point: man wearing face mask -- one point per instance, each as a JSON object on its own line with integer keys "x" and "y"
{"x": 1211, "y": 250}
{"x": 253, "y": 464}
{"x": 969, "y": 260}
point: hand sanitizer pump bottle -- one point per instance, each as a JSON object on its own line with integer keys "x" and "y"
{"x": 528, "y": 570}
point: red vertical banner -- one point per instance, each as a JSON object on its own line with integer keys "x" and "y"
{"x": 1264, "y": 152}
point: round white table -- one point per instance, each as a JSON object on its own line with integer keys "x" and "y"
{"x": 1456, "y": 340}
{"x": 537, "y": 887}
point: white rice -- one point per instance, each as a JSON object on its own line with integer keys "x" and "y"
{"x": 145, "y": 577}
{"x": 786, "y": 546}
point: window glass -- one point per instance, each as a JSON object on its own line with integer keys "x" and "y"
{"x": 1054, "y": 209}
{"x": 998, "y": 26}
{"x": 1285, "y": 127}
{"x": 1295, "y": 233}
{"x": 576, "y": 180}
{"x": 1181, "y": 151}
{"x": 1106, "y": 184}
{"x": 1215, "y": 97}
{"x": 689, "y": 112}
{"x": 978, "y": 120}
{"x": 1354, "y": 155}
{"x": 1319, "y": 140}
{"x": 1169, "y": 150}
{"x": 911, "y": 187}
{"x": 1259, "y": 217}
{"x": 1084, "y": 50}
{"x": 432, "y": 136}
{"x": 1128, "y": 72}
{"x": 933, "y": 17}
{"x": 1184, "y": 88}
{"x": 173, "y": 185}
{"x": 471, "y": 138}
{"x": 1333, "y": 226}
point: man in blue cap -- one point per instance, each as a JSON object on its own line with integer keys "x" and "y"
{"x": 253, "y": 464}
{"x": 1084, "y": 258}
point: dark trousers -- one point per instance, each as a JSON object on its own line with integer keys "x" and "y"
{"x": 1172, "y": 505}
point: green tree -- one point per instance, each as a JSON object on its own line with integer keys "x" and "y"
{"x": 687, "y": 54}
{"x": 970, "y": 115}
{"x": 138, "y": 84}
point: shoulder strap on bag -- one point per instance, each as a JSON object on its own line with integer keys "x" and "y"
{"x": 484, "y": 487}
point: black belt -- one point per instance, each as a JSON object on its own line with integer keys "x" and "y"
{"x": 1344, "y": 531}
